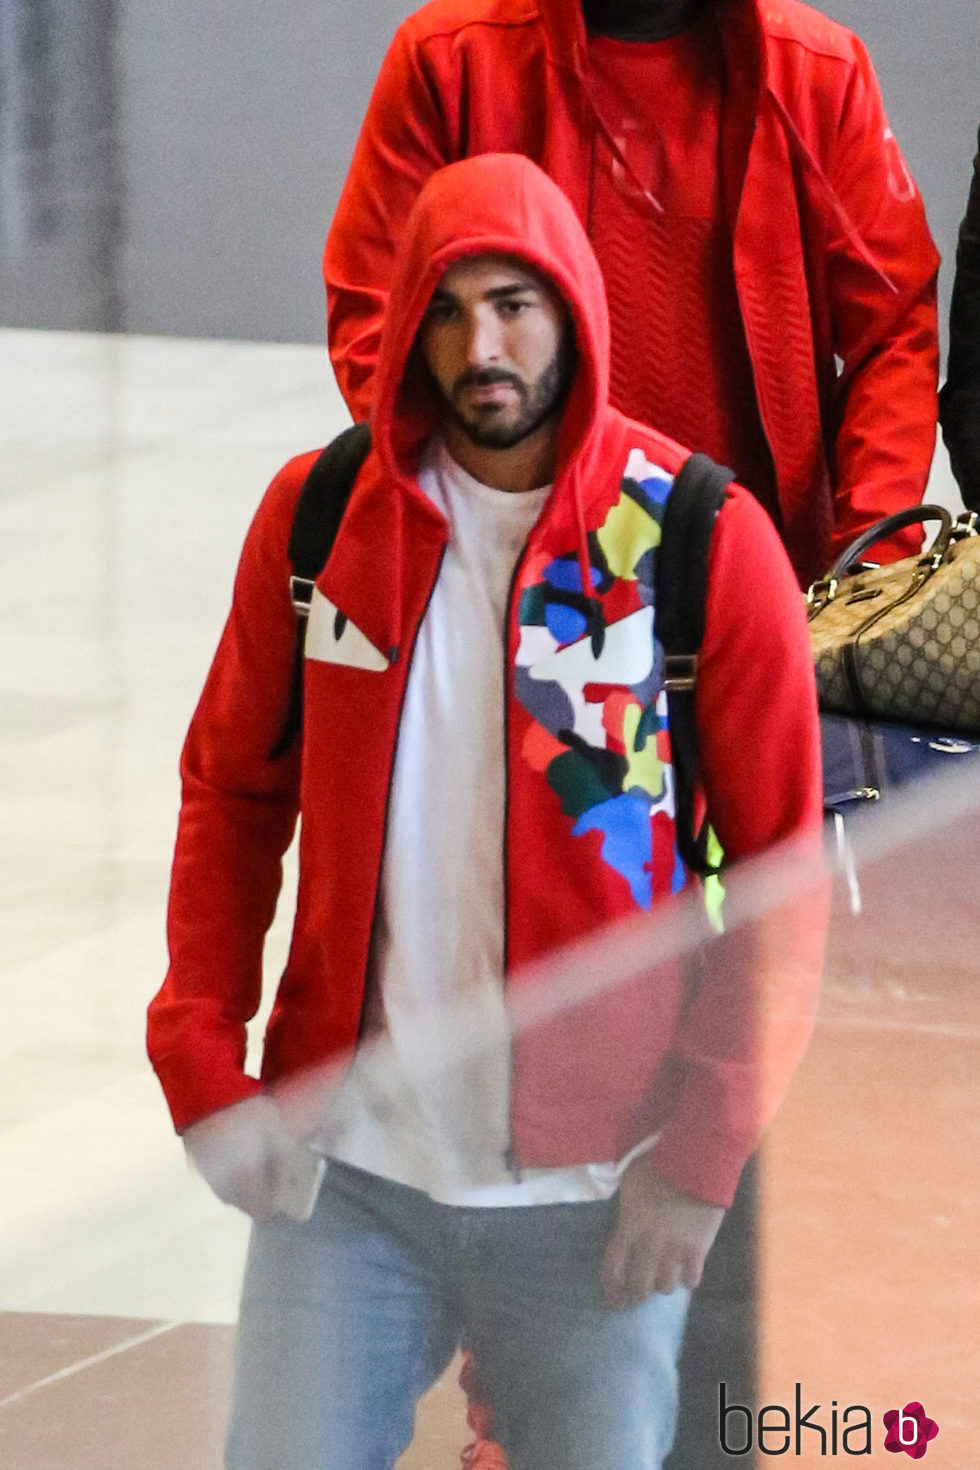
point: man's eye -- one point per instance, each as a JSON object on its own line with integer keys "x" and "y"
{"x": 440, "y": 311}
{"x": 515, "y": 307}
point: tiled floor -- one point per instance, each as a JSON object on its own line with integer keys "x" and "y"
{"x": 97, "y": 1392}
{"x": 113, "y": 1393}
{"x": 128, "y": 471}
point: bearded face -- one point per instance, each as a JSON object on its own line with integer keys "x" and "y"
{"x": 498, "y": 344}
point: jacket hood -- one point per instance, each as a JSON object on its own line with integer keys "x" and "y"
{"x": 491, "y": 204}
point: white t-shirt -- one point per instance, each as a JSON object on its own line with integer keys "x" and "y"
{"x": 439, "y": 932}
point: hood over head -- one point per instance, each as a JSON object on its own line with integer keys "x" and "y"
{"x": 491, "y": 204}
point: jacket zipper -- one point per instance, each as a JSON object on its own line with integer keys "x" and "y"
{"x": 391, "y": 782}
{"x": 512, "y": 1161}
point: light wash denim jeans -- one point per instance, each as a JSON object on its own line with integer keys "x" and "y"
{"x": 348, "y": 1319}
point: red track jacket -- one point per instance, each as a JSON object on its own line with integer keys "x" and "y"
{"x": 589, "y": 830}
{"x": 834, "y": 265}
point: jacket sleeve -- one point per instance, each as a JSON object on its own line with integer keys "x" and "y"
{"x": 237, "y": 815}
{"x": 881, "y": 276}
{"x": 403, "y": 140}
{"x": 751, "y": 1015}
{"x": 960, "y": 398}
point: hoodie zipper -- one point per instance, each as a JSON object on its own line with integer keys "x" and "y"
{"x": 512, "y": 1161}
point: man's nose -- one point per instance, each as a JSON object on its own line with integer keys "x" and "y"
{"x": 483, "y": 340}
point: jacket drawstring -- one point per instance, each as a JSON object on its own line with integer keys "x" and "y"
{"x": 612, "y": 142}
{"x": 830, "y": 194}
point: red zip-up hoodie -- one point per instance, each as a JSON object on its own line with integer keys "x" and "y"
{"x": 834, "y": 267}
{"x": 589, "y": 834}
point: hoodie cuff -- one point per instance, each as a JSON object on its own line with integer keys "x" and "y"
{"x": 193, "y": 1095}
{"x": 705, "y": 1164}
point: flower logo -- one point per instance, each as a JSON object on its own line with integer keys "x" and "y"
{"x": 909, "y": 1429}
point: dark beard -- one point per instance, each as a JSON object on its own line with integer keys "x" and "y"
{"x": 538, "y": 402}
{"x": 641, "y": 20}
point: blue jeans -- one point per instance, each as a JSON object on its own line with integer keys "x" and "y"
{"x": 347, "y": 1320}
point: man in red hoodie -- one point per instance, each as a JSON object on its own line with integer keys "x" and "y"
{"x": 485, "y": 775}
{"x": 770, "y": 274}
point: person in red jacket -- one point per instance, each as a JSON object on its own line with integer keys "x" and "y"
{"x": 484, "y": 776}
{"x": 770, "y": 273}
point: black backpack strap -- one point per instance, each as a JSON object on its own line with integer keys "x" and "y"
{"x": 316, "y": 521}
{"x": 681, "y": 592}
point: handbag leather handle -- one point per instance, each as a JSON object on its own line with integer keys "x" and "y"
{"x": 886, "y": 527}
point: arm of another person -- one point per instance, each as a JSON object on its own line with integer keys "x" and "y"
{"x": 742, "y": 1034}
{"x": 960, "y": 398}
{"x": 237, "y": 816}
{"x": 885, "y": 330}
{"x": 403, "y": 140}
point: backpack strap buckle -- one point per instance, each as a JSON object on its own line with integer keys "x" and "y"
{"x": 301, "y": 594}
{"x": 680, "y": 672}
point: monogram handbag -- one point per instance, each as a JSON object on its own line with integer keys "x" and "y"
{"x": 902, "y": 641}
